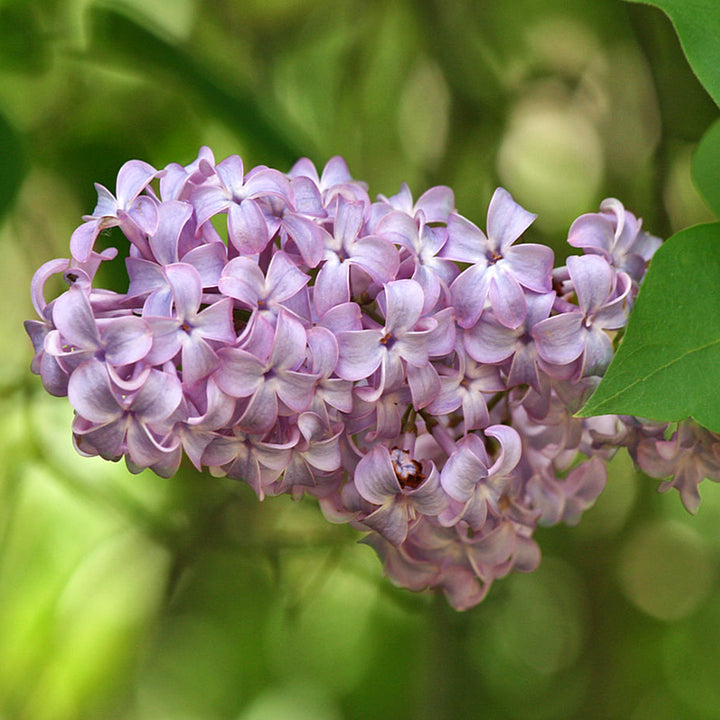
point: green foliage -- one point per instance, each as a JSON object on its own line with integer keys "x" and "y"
{"x": 697, "y": 23}
{"x": 706, "y": 167}
{"x": 668, "y": 364}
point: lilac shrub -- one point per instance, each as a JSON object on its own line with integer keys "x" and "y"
{"x": 416, "y": 375}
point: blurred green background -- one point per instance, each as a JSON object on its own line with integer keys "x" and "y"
{"x": 136, "y": 598}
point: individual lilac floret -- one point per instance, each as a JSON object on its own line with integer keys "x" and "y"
{"x": 135, "y": 214}
{"x": 398, "y": 350}
{"x": 500, "y": 269}
{"x": 191, "y": 331}
{"x": 238, "y": 195}
{"x": 687, "y": 458}
{"x": 401, "y": 487}
{"x": 492, "y": 343}
{"x": 617, "y": 235}
{"x": 579, "y": 335}
{"x": 112, "y": 423}
{"x": 473, "y": 482}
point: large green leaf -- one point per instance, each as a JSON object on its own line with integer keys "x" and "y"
{"x": 668, "y": 364}
{"x": 697, "y": 23}
{"x": 706, "y": 167}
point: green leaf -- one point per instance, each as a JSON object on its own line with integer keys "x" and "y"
{"x": 668, "y": 364}
{"x": 706, "y": 167}
{"x": 697, "y": 23}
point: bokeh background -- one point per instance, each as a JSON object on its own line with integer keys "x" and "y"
{"x": 136, "y": 598}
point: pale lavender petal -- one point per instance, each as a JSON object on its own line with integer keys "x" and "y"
{"x": 506, "y": 297}
{"x": 247, "y": 228}
{"x": 126, "y": 340}
{"x": 493, "y": 548}
{"x": 531, "y": 265}
{"x": 307, "y": 196}
{"x": 208, "y": 201}
{"x": 218, "y": 408}
{"x": 346, "y": 316}
{"x": 428, "y": 497}
{"x": 510, "y": 449}
{"x": 243, "y": 280}
{"x": 598, "y": 352}
{"x": 40, "y": 278}
{"x": 429, "y": 281}
{"x": 404, "y": 302}
{"x": 506, "y": 220}
{"x": 144, "y": 214}
{"x": 133, "y": 177}
{"x": 209, "y": 260}
{"x": 462, "y": 471}
{"x": 449, "y": 398}
{"x": 360, "y": 354}
{"x": 198, "y": 360}
{"x": 172, "y": 218}
{"x": 376, "y": 256}
{"x": 389, "y": 520}
{"x": 108, "y": 440}
{"x": 232, "y": 174}
{"x": 523, "y": 369}
{"x": 308, "y": 236}
{"x": 592, "y": 279}
{"x": 337, "y": 393}
{"x": 215, "y": 322}
{"x": 107, "y": 204}
{"x": 73, "y": 317}
{"x": 592, "y": 231}
{"x": 412, "y": 347}
{"x": 261, "y": 412}
{"x": 90, "y": 394}
{"x": 335, "y": 172}
{"x": 560, "y": 339}
{"x": 400, "y": 228}
{"x": 83, "y": 239}
{"x": 332, "y": 286}
{"x": 266, "y": 181}
{"x": 240, "y": 374}
{"x": 145, "y": 276}
{"x": 166, "y": 342}
{"x": 324, "y": 350}
{"x": 424, "y": 384}
{"x": 158, "y": 397}
{"x": 290, "y": 343}
{"x": 186, "y": 286}
{"x": 295, "y": 389}
{"x": 283, "y": 278}
{"x": 475, "y": 410}
{"x": 441, "y": 338}
{"x": 466, "y": 241}
{"x": 582, "y": 487}
{"x": 54, "y": 376}
{"x": 490, "y": 342}
{"x": 375, "y": 478}
{"x": 436, "y": 203}
{"x": 145, "y": 451}
{"x": 469, "y": 292}
{"x": 348, "y": 221}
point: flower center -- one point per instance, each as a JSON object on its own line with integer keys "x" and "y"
{"x": 407, "y": 470}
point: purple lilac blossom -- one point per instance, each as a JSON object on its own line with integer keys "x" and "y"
{"x": 414, "y": 374}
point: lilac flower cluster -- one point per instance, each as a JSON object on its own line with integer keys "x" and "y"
{"x": 416, "y": 375}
